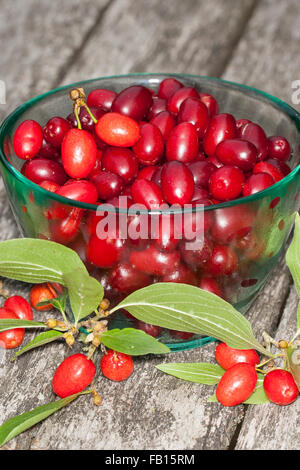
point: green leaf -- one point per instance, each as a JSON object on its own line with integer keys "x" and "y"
{"x": 187, "y": 308}
{"x": 258, "y": 397}
{"x": 15, "y": 426}
{"x": 58, "y": 302}
{"x": 10, "y": 324}
{"x": 85, "y": 293}
{"x": 293, "y": 255}
{"x": 133, "y": 342}
{"x": 41, "y": 339}
{"x": 293, "y": 360}
{"x": 201, "y": 373}
{"x": 35, "y": 261}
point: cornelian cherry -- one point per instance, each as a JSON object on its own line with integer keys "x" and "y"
{"x": 125, "y": 279}
{"x": 152, "y": 330}
{"x": 118, "y": 130}
{"x": 177, "y": 183}
{"x": 19, "y": 306}
{"x": 55, "y": 130}
{"x": 223, "y": 261}
{"x": 194, "y": 111}
{"x": 182, "y": 143}
{"x": 228, "y": 357}
{"x": 134, "y": 101}
{"x": 28, "y": 139}
{"x": 280, "y": 387}
{"x": 210, "y": 285}
{"x": 168, "y": 87}
{"x": 210, "y": 102}
{"x": 266, "y": 167}
{"x": 122, "y": 162}
{"x": 40, "y": 169}
{"x": 226, "y": 183}
{"x": 257, "y": 183}
{"x": 165, "y": 121}
{"x": 73, "y": 375}
{"x": 105, "y": 253}
{"x": 237, "y": 384}
{"x": 101, "y": 98}
{"x": 279, "y": 148}
{"x": 147, "y": 193}
{"x": 108, "y": 184}
{"x": 177, "y": 98}
{"x": 150, "y": 147}
{"x": 79, "y": 153}
{"x": 153, "y": 261}
{"x": 116, "y": 366}
{"x": 237, "y": 152}
{"x": 40, "y": 293}
{"x": 256, "y": 135}
{"x": 221, "y": 127}
{"x": 10, "y": 339}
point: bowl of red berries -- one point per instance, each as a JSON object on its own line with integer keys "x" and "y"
{"x": 158, "y": 178}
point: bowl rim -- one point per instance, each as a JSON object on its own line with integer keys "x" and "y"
{"x": 274, "y": 101}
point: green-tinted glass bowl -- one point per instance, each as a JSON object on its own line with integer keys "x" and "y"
{"x": 271, "y": 210}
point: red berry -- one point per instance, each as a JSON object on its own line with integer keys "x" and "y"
{"x": 152, "y": 330}
{"x": 221, "y": 127}
{"x": 101, "y": 98}
{"x": 165, "y": 121}
{"x": 150, "y": 147}
{"x": 182, "y": 143}
{"x": 223, "y": 261}
{"x": 146, "y": 173}
{"x": 85, "y": 118}
{"x": 281, "y": 166}
{"x": 241, "y": 122}
{"x": 210, "y": 102}
{"x": 10, "y": 339}
{"x": 134, "y": 101}
{"x": 266, "y": 167}
{"x": 279, "y": 148}
{"x": 185, "y": 335}
{"x": 232, "y": 223}
{"x": 257, "y": 183}
{"x": 177, "y": 98}
{"x": 194, "y": 111}
{"x": 210, "y": 285}
{"x": 153, "y": 261}
{"x": 181, "y": 274}
{"x": 125, "y": 279}
{"x": 237, "y": 384}
{"x": 158, "y": 106}
{"x": 40, "y": 293}
{"x": 163, "y": 233}
{"x": 73, "y": 375}
{"x": 40, "y": 169}
{"x": 196, "y": 253}
{"x": 83, "y": 191}
{"x": 105, "y": 253}
{"x": 228, "y": 357}
{"x": 122, "y": 162}
{"x": 116, "y": 366}
{"x": 177, "y": 183}
{"x": 226, "y": 183}
{"x": 202, "y": 171}
{"x": 48, "y": 151}
{"x": 280, "y": 387}
{"x": 55, "y": 130}
{"x": 168, "y": 87}
{"x": 66, "y": 230}
{"x": 50, "y": 186}
{"x": 28, "y": 139}
{"x": 108, "y": 184}
{"x": 118, "y": 130}
{"x": 237, "y": 152}
{"x": 256, "y": 135}
{"x": 147, "y": 193}
{"x": 19, "y": 306}
{"x": 79, "y": 153}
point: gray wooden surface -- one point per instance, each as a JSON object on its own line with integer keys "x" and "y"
{"x": 45, "y": 44}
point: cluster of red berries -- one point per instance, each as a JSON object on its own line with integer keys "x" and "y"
{"x": 169, "y": 147}
{"x": 77, "y": 372}
{"x": 239, "y": 381}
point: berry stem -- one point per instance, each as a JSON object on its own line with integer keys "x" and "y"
{"x": 295, "y": 337}
{"x": 270, "y": 359}
{"x": 76, "y": 113}
{"x": 77, "y": 95}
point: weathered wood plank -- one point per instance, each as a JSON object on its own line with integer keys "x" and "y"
{"x": 195, "y": 36}
{"x": 38, "y": 38}
{"x": 270, "y": 426}
{"x": 267, "y": 56}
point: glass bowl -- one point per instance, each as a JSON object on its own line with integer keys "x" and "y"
{"x": 255, "y": 227}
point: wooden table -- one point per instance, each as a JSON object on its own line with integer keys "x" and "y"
{"x": 45, "y": 44}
